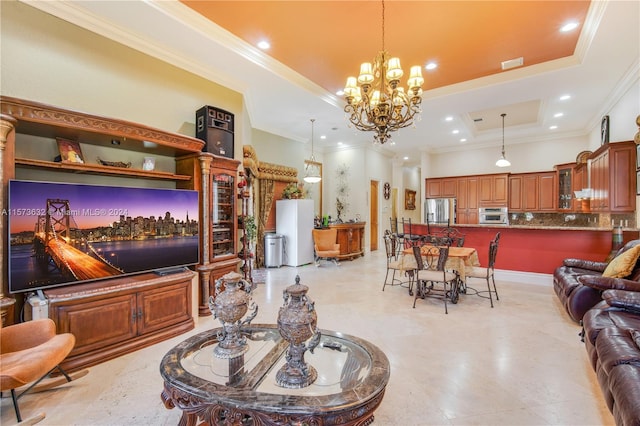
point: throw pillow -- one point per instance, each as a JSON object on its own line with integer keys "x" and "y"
{"x": 622, "y": 265}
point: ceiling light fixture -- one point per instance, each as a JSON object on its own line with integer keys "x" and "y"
{"x": 312, "y": 171}
{"x": 502, "y": 161}
{"x": 375, "y": 103}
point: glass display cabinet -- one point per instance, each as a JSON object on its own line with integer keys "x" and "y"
{"x": 222, "y": 215}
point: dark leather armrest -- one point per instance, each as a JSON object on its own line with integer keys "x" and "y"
{"x": 586, "y": 264}
{"x": 605, "y": 283}
{"x": 626, "y": 300}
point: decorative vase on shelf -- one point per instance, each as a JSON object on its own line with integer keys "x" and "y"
{"x": 297, "y": 324}
{"x": 229, "y": 306}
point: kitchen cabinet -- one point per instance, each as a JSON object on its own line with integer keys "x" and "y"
{"x": 467, "y": 200}
{"x": 441, "y": 187}
{"x": 565, "y": 175}
{"x": 493, "y": 190}
{"x": 215, "y": 177}
{"x": 532, "y": 192}
{"x": 515, "y": 193}
{"x": 613, "y": 177}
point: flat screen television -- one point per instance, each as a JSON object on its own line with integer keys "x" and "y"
{"x": 61, "y": 234}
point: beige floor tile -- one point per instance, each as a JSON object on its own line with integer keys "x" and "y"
{"x": 520, "y": 363}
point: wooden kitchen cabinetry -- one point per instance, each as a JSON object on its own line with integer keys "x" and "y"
{"x": 113, "y": 316}
{"x": 613, "y": 177}
{"x": 493, "y": 190}
{"x": 532, "y": 192}
{"x": 215, "y": 178}
{"x": 122, "y": 315}
{"x": 441, "y": 187}
{"x": 467, "y": 200}
{"x": 565, "y": 176}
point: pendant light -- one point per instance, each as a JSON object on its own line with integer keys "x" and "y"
{"x": 312, "y": 171}
{"x": 503, "y": 162}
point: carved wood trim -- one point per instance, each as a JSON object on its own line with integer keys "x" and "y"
{"x": 34, "y": 112}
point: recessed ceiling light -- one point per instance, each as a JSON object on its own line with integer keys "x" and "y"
{"x": 565, "y": 97}
{"x": 557, "y": 115}
{"x": 455, "y": 132}
{"x": 264, "y": 44}
{"x": 463, "y": 140}
{"x": 553, "y": 127}
{"x": 340, "y": 144}
{"x": 323, "y": 136}
{"x": 405, "y": 158}
{"x": 431, "y": 66}
{"x": 569, "y": 26}
{"x": 449, "y": 118}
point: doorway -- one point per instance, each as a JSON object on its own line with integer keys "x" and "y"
{"x": 373, "y": 215}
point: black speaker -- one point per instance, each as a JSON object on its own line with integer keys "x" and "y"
{"x": 214, "y": 126}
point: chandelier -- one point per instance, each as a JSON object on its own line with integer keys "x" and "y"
{"x": 376, "y": 103}
{"x": 502, "y": 161}
{"x": 312, "y": 171}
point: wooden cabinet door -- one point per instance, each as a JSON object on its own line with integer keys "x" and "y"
{"x": 515, "y": 193}
{"x": 622, "y": 177}
{"x": 449, "y": 187}
{"x": 530, "y": 192}
{"x": 433, "y": 188}
{"x": 99, "y": 323}
{"x": 484, "y": 190}
{"x": 461, "y": 194}
{"x": 162, "y": 307}
{"x": 472, "y": 195}
{"x": 501, "y": 189}
{"x": 547, "y": 190}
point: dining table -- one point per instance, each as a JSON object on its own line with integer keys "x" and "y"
{"x": 459, "y": 260}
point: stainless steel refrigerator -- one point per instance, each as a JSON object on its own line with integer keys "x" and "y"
{"x": 440, "y": 211}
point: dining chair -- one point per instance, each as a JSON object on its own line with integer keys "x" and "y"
{"x": 456, "y": 237}
{"x": 410, "y": 238}
{"x": 486, "y": 273}
{"x": 431, "y": 272}
{"x": 393, "y": 264}
{"x": 399, "y": 235}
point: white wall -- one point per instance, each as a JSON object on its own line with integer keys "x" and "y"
{"x": 48, "y": 60}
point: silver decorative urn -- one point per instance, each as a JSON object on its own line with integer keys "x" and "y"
{"x": 297, "y": 323}
{"x": 229, "y": 306}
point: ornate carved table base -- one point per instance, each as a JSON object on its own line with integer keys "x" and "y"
{"x": 352, "y": 377}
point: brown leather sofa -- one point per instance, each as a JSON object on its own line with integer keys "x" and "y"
{"x": 612, "y": 338}
{"x": 579, "y": 283}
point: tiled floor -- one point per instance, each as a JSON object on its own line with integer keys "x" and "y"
{"x": 520, "y": 363}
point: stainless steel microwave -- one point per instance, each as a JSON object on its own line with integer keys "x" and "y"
{"x": 493, "y": 215}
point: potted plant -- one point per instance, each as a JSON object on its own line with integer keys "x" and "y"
{"x": 292, "y": 191}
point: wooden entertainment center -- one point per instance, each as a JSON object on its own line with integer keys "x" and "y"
{"x": 118, "y": 315}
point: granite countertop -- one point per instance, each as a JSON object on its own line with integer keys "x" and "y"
{"x": 537, "y": 226}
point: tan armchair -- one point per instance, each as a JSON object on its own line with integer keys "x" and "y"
{"x": 29, "y": 352}
{"x": 325, "y": 246}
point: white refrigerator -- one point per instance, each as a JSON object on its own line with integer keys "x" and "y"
{"x": 294, "y": 220}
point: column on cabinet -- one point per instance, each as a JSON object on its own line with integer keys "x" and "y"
{"x": 215, "y": 177}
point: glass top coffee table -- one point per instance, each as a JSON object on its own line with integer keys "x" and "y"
{"x": 352, "y": 376}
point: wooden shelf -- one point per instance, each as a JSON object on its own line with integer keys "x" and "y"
{"x": 98, "y": 169}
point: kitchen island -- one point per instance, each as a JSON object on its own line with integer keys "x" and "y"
{"x": 535, "y": 248}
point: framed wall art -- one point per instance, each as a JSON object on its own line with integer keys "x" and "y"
{"x": 409, "y": 199}
{"x": 69, "y": 151}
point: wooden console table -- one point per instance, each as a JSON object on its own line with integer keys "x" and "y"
{"x": 352, "y": 377}
{"x": 351, "y": 239}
